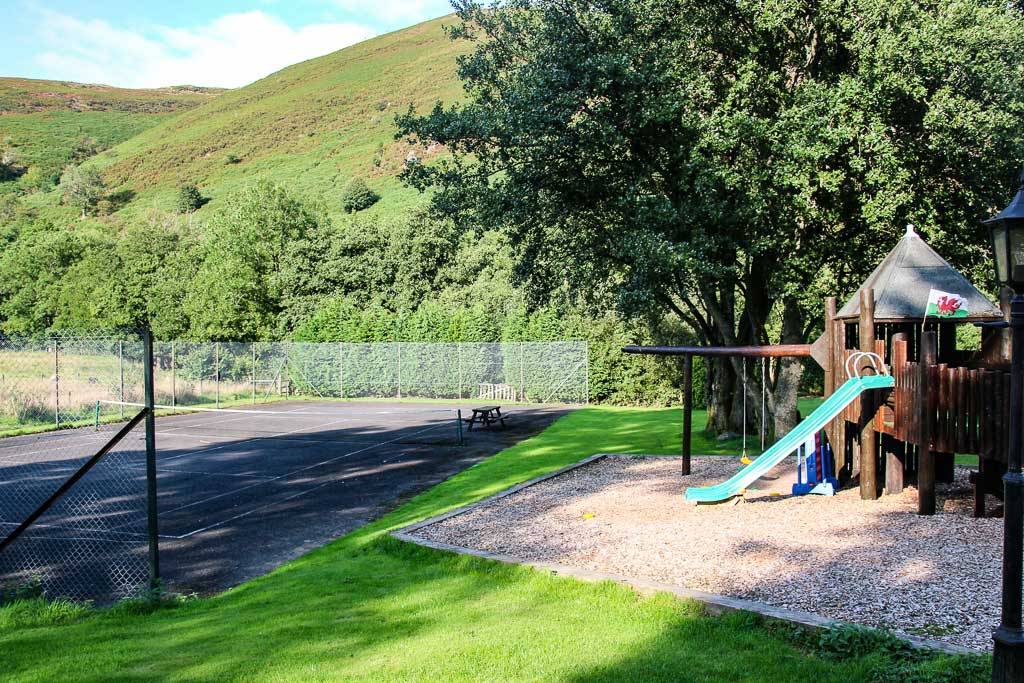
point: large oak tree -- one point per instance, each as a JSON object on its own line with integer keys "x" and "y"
{"x": 728, "y": 162}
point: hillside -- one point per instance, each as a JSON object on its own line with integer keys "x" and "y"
{"x": 310, "y": 127}
{"x": 45, "y": 121}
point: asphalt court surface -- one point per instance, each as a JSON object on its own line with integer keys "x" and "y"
{"x": 240, "y": 491}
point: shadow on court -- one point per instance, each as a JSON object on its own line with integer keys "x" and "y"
{"x": 239, "y": 492}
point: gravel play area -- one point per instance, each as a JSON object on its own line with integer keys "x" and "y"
{"x": 870, "y": 562}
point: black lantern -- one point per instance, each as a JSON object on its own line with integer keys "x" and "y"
{"x": 1008, "y": 246}
{"x": 1006, "y": 230}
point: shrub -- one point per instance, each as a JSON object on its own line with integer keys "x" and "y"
{"x": 232, "y": 158}
{"x": 189, "y": 198}
{"x": 357, "y": 196}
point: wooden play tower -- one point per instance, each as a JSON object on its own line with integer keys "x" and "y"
{"x": 952, "y": 400}
{"x": 946, "y": 400}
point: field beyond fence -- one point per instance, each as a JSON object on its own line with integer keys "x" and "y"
{"x": 60, "y": 381}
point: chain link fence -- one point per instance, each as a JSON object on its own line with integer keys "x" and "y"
{"x": 75, "y": 512}
{"x": 92, "y": 540}
{"x": 223, "y": 373}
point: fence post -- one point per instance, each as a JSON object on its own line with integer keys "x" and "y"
{"x": 253, "y": 346}
{"x": 56, "y": 382}
{"x": 120, "y": 372}
{"x": 586, "y": 373}
{"x": 174, "y": 379}
{"x": 216, "y": 375}
{"x": 399, "y": 371}
{"x": 459, "y": 347}
{"x": 522, "y": 375}
{"x": 151, "y": 511}
{"x": 341, "y": 369}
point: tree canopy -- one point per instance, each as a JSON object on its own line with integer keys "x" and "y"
{"x": 728, "y": 162}
{"x": 81, "y": 187}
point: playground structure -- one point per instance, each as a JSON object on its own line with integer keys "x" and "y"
{"x": 952, "y": 400}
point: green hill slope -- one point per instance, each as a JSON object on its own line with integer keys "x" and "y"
{"x": 44, "y": 122}
{"x": 311, "y": 127}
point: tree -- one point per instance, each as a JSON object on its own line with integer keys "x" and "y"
{"x": 357, "y": 196}
{"x": 9, "y": 167}
{"x": 81, "y": 187}
{"x": 242, "y": 279}
{"x": 727, "y": 163}
{"x": 190, "y": 199}
{"x": 34, "y": 275}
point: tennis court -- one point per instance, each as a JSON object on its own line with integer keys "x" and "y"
{"x": 240, "y": 491}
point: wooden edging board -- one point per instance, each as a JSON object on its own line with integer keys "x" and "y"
{"x": 715, "y": 604}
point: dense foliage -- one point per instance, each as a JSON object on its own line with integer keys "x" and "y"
{"x": 728, "y": 162}
{"x": 269, "y": 266}
{"x": 357, "y": 196}
{"x": 189, "y": 198}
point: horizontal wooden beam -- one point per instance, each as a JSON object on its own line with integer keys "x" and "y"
{"x": 774, "y": 351}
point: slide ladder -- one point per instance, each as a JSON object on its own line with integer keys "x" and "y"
{"x": 816, "y": 421}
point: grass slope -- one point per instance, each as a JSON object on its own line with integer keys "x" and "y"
{"x": 44, "y": 120}
{"x": 368, "y": 608}
{"x": 311, "y": 127}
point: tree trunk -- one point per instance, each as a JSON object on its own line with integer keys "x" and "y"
{"x": 718, "y": 394}
{"x": 787, "y": 380}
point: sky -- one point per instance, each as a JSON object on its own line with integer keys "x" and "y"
{"x": 154, "y": 43}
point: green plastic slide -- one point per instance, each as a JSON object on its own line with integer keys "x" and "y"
{"x": 826, "y": 412}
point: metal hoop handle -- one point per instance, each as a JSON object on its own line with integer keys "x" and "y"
{"x": 877, "y": 364}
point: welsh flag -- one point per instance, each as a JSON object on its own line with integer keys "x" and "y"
{"x": 946, "y": 305}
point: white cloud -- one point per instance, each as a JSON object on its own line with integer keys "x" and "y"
{"x": 233, "y": 50}
{"x": 397, "y": 10}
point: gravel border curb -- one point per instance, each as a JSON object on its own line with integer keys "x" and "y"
{"x": 715, "y": 604}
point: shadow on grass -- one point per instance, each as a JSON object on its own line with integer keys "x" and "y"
{"x": 369, "y": 608}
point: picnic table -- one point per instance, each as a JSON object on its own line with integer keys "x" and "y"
{"x": 486, "y": 416}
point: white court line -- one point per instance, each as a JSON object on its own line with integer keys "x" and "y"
{"x": 186, "y": 415}
{"x": 278, "y": 502}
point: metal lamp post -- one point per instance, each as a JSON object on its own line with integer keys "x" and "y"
{"x": 1007, "y": 234}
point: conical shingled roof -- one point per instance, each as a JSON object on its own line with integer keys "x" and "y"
{"x": 902, "y": 280}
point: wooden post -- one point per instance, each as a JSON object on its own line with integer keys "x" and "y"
{"x": 837, "y": 351}
{"x": 868, "y": 436}
{"x": 926, "y": 395}
{"x": 687, "y": 411}
{"x": 895, "y": 450}
{"x": 830, "y": 339}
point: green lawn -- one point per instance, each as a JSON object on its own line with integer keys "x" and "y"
{"x": 369, "y": 608}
